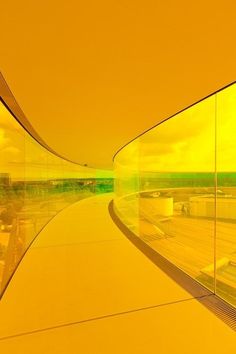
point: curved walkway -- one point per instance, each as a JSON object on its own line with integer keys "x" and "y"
{"x": 83, "y": 287}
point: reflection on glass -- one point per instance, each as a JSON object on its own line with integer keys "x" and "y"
{"x": 226, "y": 195}
{"x": 126, "y": 172}
{"x": 12, "y": 193}
{"x": 34, "y": 186}
{"x": 170, "y": 187}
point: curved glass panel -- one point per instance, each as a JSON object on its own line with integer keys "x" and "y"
{"x": 35, "y": 185}
{"x": 226, "y": 195}
{"x": 172, "y": 182}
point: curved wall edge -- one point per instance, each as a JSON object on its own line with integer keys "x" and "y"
{"x": 172, "y": 116}
{"x": 8, "y": 100}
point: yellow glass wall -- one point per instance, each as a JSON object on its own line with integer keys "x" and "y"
{"x": 175, "y": 188}
{"x": 35, "y": 185}
{"x": 226, "y": 195}
{"x": 126, "y": 185}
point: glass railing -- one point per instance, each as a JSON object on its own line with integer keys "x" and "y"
{"x": 35, "y": 184}
{"x": 175, "y": 188}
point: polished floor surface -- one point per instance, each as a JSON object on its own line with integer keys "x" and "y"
{"x": 83, "y": 287}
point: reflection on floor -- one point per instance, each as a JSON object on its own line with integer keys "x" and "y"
{"x": 84, "y": 288}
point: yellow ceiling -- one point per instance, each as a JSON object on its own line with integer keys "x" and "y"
{"x": 92, "y": 75}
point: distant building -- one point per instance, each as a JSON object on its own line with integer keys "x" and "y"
{"x": 5, "y": 179}
{"x": 202, "y": 206}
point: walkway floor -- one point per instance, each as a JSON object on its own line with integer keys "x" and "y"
{"x": 84, "y": 288}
